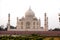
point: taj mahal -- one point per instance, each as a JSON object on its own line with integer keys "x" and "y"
{"x": 29, "y": 23}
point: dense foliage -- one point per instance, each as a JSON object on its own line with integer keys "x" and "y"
{"x": 24, "y": 37}
{"x": 20, "y": 38}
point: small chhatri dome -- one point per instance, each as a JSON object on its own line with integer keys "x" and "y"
{"x": 29, "y": 13}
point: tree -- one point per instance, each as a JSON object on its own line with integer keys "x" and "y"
{"x": 56, "y": 29}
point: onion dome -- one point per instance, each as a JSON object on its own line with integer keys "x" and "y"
{"x": 29, "y": 13}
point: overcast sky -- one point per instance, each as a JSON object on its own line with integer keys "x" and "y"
{"x": 17, "y": 8}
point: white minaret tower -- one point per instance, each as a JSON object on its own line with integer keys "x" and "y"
{"x": 45, "y": 23}
{"x": 17, "y": 22}
{"x": 39, "y": 23}
{"x": 59, "y": 17}
{"x": 8, "y": 22}
{"x": 17, "y": 19}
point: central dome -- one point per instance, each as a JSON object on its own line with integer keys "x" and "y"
{"x": 29, "y": 13}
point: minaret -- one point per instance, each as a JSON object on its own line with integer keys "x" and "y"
{"x": 59, "y": 17}
{"x": 8, "y": 21}
{"x": 45, "y": 23}
{"x": 17, "y": 22}
{"x": 17, "y": 19}
{"x": 39, "y": 23}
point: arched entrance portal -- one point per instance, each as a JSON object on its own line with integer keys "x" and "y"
{"x": 27, "y": 25}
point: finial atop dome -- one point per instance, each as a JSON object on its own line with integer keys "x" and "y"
{"x": 29, "y": 12}
{"x": 29, "y": 7}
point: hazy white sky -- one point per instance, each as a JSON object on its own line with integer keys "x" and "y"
{"x": 17, "y": 8}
